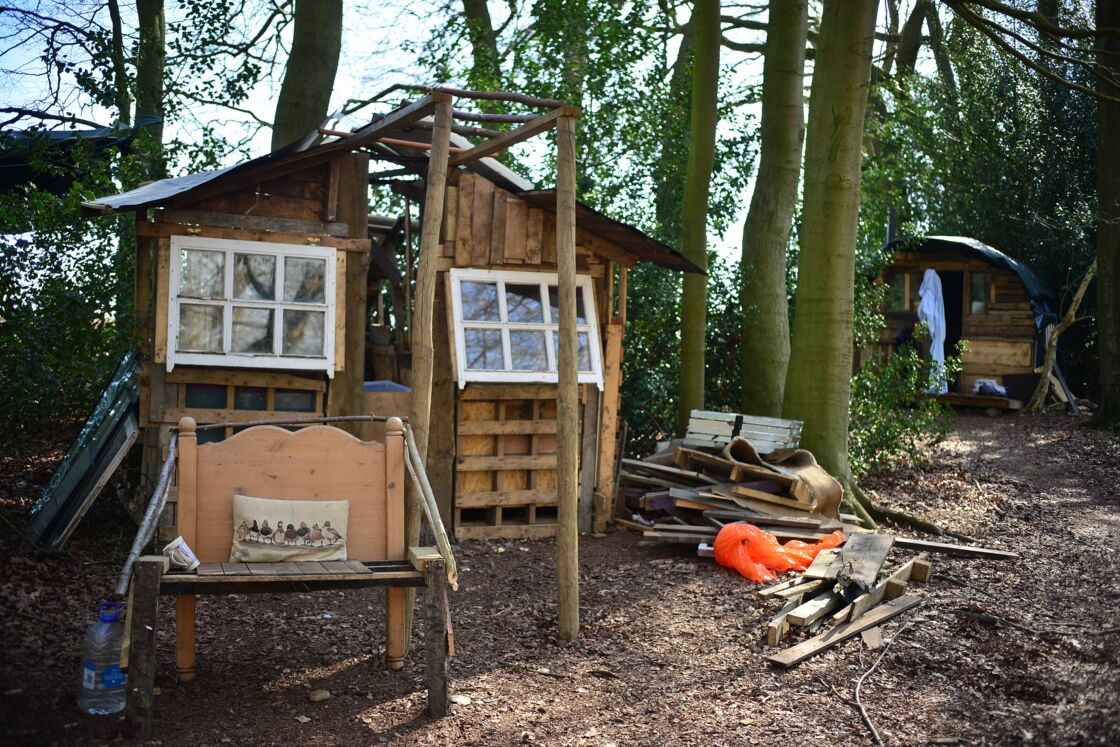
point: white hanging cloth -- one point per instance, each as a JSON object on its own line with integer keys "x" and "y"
{"x": 931, "y": 311}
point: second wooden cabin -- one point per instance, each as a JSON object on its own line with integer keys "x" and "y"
{"x": 995, "y": 302}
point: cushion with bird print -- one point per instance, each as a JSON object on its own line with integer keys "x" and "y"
{"x": 272, "y": 530}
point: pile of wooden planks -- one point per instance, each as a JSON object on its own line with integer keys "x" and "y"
{"x": 686, "y": 495}
{"x": 708, "y": 429}
{"x": 846, "y": 589}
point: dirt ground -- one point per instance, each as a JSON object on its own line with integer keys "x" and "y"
{"x": 671, "y": 645}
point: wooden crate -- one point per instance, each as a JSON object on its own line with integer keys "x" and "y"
{"x": 505, "y": 481}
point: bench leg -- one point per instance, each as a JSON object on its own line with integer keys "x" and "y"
{"x": 143, "y": 620}
{"x": 184, "y": 636}
{"x": 436, "y": 645}
{"x": 396, "y": 636}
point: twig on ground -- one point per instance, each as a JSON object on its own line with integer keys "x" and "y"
{"x": 859, "y": 683}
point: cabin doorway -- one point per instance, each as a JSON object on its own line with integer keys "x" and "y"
{"x": 952, "y": 292}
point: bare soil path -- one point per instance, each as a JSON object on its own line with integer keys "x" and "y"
{"x": 671, "y": 646}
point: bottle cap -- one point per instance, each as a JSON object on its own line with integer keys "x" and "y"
{"x": 110, "y": 612}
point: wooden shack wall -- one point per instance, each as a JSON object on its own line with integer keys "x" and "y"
{"x": 1001, "y": 340}
{"x": 323, "y": 205}
{"x": 501, "y": 438}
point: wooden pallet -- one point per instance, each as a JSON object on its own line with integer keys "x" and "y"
{"x": 714, "y": 430}
{"x": 505, "y": 485}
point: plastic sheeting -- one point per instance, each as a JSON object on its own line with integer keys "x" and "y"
{"x": 931, "y": 312}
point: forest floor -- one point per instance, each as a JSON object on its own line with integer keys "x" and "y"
{"x": 671, "y": 645}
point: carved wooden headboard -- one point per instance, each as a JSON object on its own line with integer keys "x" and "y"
{"x": 318, "y": 462}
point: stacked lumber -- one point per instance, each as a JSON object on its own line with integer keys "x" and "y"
{"x": 692, "y": 498}
{"x": 714, "y": 430}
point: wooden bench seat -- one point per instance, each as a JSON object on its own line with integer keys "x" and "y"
{"x": 313, "y": 463}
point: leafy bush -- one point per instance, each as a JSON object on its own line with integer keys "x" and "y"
{"x": 893, "y": 417}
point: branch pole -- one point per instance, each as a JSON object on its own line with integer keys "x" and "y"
{"x": 567, "y": 400}
{"x": 1038, "y": 399}
{"x": 147, "y": 527}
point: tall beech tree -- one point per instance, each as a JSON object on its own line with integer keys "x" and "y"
{"x": 694, "y": 212}
{"x": 309, "y": 74}
{"x": 1108, "y": 221}
{"x": 765, "y": 340}
{"x": 818, "y": 384}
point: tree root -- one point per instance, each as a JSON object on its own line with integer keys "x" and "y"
{"x": 875, "y": 513}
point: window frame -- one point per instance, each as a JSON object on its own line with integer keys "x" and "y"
{"x": 584, "y": 286}
{"x": 230, "y": 247}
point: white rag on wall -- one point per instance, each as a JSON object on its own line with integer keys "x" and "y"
{"x": 931, "y": 311}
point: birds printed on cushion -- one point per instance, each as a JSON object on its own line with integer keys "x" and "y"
{"x": 316, "y": 535}
{"x": 290, "y": 535}
{"x": 278, "y": 534}
{"x": 254, "y": 530}
{"x": 303, "y": 531}
{"x": 265, "y": 530}
{"x": 330, "y": 532}
{"x": 242, "y": 531}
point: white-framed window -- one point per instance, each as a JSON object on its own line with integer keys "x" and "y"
{"x": 507, "y": 323}
{"x": 250, "y": 303}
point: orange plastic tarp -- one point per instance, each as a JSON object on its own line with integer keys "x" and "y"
{"x": 758, "y": 556}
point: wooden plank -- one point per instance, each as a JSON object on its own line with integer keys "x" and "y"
{"x": 517, "y": 219}
{"x": 534, "y": 236}
{"x": 235, "y": 569}
{"x": 437, "y": 637}
{"x": 482, "y": 217}
{"x": 498, "y": 228}
{"x": 921, "y": 570}
{"x": 697, "y": 460}
{"x": 960, "y": 551}
{"x": 336, "y": 566}
{"x": 311, "y": 567}
{"x": 464, "y": 243}
{"x": 257, "y": 222}
{"x": 664, "y": 469}
{"x": 778, "y": 626}
{"x": 748, "y": 498}
{"x": 816, "y": 608}
{"x": 210, "y": 569}
{"x": 241, "y": 377}
{"x": 827, "y": 564}
{"x": 862, "y": 556}
{"x": 143, "y": 623}
{"x": 758, "y": 519}
{"x": 589, "y": 449}
{"x": 507, "y": 462}
{"x": 421, "y": 556}
{"x": 357, "y": 567}
{"x": 507, "y": 391}
{"x": 505, "y": 427}
{"x": 163, "y": 277}
{"x": 807, "y": 649}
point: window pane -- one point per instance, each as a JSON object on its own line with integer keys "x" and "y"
{"x": 254, "y": 277}
{"x": 554, "y": 301}
{"x": 202, "y": 274}
{"x": 979, "y": 294}
{"x": 583, "y": 355}
{"x": 295, "y": 400}
{"x": 250, "y": 398}
{"x": 304, "y": 332}
{"x": 528, "y": 350}
{"x": 897, "y": 293}
{"x": 252, "y": 330}
{"x": 305, "y": 280}
{"x": 200, "y": 329}
{"x": 523, "y": 304}
{"x": 484, "y": 349}
{"x": 205, "y": 396}
{"x": 480, "y": 301}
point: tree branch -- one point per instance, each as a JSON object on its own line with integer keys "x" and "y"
{"x": 22, "y": 112}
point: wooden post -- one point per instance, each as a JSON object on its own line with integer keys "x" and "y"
{"x": 436, "y": 642}
{"x": 396, "y": 601}
{"x": 422, "y": 347}
{"x": 567, "y": 398}
{"x": 143, "y": 621}
{"x": 186, "y": 516}
{"x": 589, "y": 427}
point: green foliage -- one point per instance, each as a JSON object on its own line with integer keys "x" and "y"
{"x": 893, "y": 417}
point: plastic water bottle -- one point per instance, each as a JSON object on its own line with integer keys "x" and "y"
{"x": 101, "y": 689}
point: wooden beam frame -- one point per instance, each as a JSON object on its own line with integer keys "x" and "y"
{"x": 505, "y": 140}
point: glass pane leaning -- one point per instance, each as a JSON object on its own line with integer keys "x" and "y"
{"x": 528, "y": 350}
{"x": 202, "y": 273}
{"x": 523, "y": 304}
{"x": 480, "y": 301}
{"x": 484, "y": 349}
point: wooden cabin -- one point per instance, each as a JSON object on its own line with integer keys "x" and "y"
{"x": 267, "y": 290}
{"x": 995, "y": 302}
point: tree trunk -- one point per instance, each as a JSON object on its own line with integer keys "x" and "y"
{"x": 150, "y": 60}
{"x": 1108, "y": 219}
{"x": 485, "y": 73}
{"x": 765, "y": 346}
{"x": 818, "y": 385}
{"x": 309, "y": 75}
{"x": 694, "y": 213}
{"x": 120, "y": 72}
